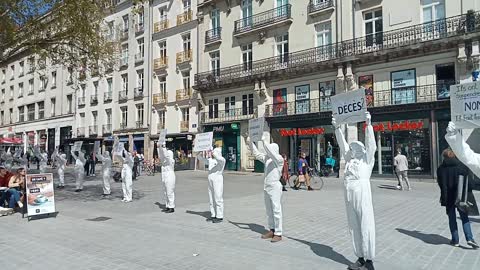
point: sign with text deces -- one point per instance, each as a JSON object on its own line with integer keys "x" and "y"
{"x": 465, "y": 105}
{"x": 40, "y": 196}
{"x": 203, "y": 142}
{"x": 349, "y": 107}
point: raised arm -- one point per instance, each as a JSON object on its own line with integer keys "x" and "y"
{"x": 272, "y": 153}
{"x": 220, "y": 159}
{"x": 258, "y": 155}
{"x": 73, "y": 154}
{"x": 100, "y": 157}
{"x": 342, "y": 143}
{"x": 370, "y": 144}
{"x": 462, "y": 150}
{"x": 202, "y": 158}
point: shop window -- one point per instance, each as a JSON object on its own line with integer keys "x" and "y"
{"x": 280, "y": 105}
{"x": 403, "y": 86}
{"x": 326, "y": 90}
{"x": 213, "y": 108}
{"x": 302, "y": 99}
{"x": 247, "y": 104}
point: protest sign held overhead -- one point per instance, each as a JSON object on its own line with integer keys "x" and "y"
{"x": 465, "y": 105}
{"x": 162, "y": 136}
{"x": 77, "y": 146}
{"x": 203, "y": 142}
{"x": 256, "y": 128}
{"x": 96, "y": 147}
{"x": 349, "y": 107}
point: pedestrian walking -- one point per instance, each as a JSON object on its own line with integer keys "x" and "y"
{"x": 86, "y": 166}
{"x": 400, "y": 163}
{"x": 285, "y": 173}
{"x": 92, "y": 164}
{"x": 448, "y": 175}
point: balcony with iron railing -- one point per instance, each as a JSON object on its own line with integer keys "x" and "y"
{"x": 92, "y": 130}
{"x": 160, "y": 64}
{"x": 316, "y": 7}
{"x": 184, "y": 126}
{"x": 139, "y": 124}
{"x": 263, "y": 20}
{"x": 139, "y": 58}
{"x": 184, "y": 57}
{"x": 81, "y": 132}
{"x": 160, "y": 98}
{"x": 160, "y": 126}
{"x": 122, "y": 96}
{"x": 139, "y": 28}
{"x": 184, "y": 94}
{"x": 160, "y": 26}
{"x": 213, "y": 36}
{"x": 123, "y": 62}
{"x": 138, "y": 92}
{"x": 107, "y": 97}
{"x": 124, "y": 34}
{"x": 81, "y": 101}
{"x": 231, "y": 115}
{"x": 416, "y": 95}
{"x": 93, "y": 99}
{"x": 378, "y": 45}
{"x": 107, "y": 129}
{"x": 122, "y": 126}
{"x": 184, "y": 17}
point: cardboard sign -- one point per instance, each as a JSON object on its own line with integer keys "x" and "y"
{"x": 40, "y": 194}
{"x": 349, "y": 107}
{"x": 96, "y": 147}
{"x": 256, "y": 128}
{"x": 118, "y": 149}
{"x": 162, "y": 136}
{"x": 465, "y": 105}
{"x": 203, "y": 142}
{"x": 77, "y": 146}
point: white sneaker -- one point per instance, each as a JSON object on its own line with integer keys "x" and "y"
{"x": 5, "y": 211}
{"x": 399, "y": 187}
{"x": 20, "y": 204}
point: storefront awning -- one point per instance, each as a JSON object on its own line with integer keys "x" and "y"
{"x": 120, "y": 139}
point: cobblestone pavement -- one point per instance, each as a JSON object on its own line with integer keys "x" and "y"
{"x": 93, "y": 233}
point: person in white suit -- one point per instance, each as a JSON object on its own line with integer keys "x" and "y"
{"x": 272, "y": 187}
{"x": 106, "y": 171}
{"x": 79, "y": 170}
{"x": 216, "y": 165}
{"x": 360, "y": 160}
{"x": 127, "y": 173}
{"x": 462, "y": 150}
{"x": 61, "y": 161}
{"x": 168, "y": 177}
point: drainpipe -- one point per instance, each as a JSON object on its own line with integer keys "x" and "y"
{"x": 336, "y": 22}
{"x": 149, "y": 82}
{"x": 353, "y": 19}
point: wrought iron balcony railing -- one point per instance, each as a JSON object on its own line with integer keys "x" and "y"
{"x": 380, "y": 98}
{"x": 184, "y": 17}
{"x": 107, "y": 129}
{"x": 81, "y": 132}
{"x": 139, "y": 124}
{"x": 123, "y": 126}
{"x": 93, "y": 130}
{"x": 160, "y": 98}
{"x": 184, "y": 94}
{"x": 184, "y": 56}
{"x": 138, "y": 58}
{"x": 124, "y": 34}
{"x": 139, "y": 28}
{"x": 160, "y": 26}
{"x": 160, "y": 63}
{"x": 123, "y": 61}
{"x": 405, "y": 37}
{"x": 107, "y": 97}
{"x": 122, "y": 96}
{"x": 213, "y": 35}
{"x": 263, "y": 19}
{"x": 228, "y": 115}
{"x": 93, "y": 99}
{"x": 184, "y": 126}
{"x": 316, "y": 6}
{"x": 81, "y": 101}
{"x": 160, "y": 126}
{"x": 138, "y": 92}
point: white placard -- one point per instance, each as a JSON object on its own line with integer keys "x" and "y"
{"x": 256, "y": 128}
{"x": 465, "y": 105}
{"x": 77, "y": 146}
{"x": 203, "y": 142}
{"x": 162, "y": 136}
{"x": 96, "y": 147}
{"x": 349, "y": 107}
{"x": 118, "y": 149}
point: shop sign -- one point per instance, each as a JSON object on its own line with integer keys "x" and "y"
{"x": 234, "y": 126}
{"x": 301, "y": 131}
{"x": 218, "y": 128}
{"x": 402, "y": 126}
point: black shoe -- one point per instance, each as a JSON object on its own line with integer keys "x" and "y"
{"x": 367, "y": 266}
{"x": 166, "y": 209}
{"x": 170, "y": 210}
{"x": 218, "y": 220}
{"x": 60, "y": 187}
{"x": 473, "y": 244}
{"x": 359, "y": 263}
{"x": 284, "y": 189}
{"x": 310, "y": 189}
{"x": 105, "y": 195}
{"x": 210, "y": 219}
{"x": 295, "y": 188}
{"x": 78, "y": 190}
{"x": 455, "y": 244}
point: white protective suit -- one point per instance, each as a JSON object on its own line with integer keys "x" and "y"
{"x": 61, "y": 161}
{"x": 106, "y": 171}
{"x": 127, "y": 184}
{"x": 168, "y": 175}
{"x": 216, "y": 165}
{"x": 272, "y": 186}
{"x": 462, "y": 150}
{"x": 360, "y": 160}
{"x": 43, "y": 162}
{"x": 79, "y": 169}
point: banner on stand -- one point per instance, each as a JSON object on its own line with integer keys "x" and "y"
{"x": 40, "y": 194}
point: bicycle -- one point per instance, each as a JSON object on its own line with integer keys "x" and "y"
{"x": 316, "y": 181}
{"x": 149, "y": 167}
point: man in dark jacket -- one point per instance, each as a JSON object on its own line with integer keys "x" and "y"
{"x": 447, "y": 177}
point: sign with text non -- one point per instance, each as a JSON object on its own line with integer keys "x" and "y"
{"x": 349, "y": 107}
{"x": 465, "y": 104}
{"x": 40, "y": 194}
{"x": 255, "y": 129}
{"x": 203, "y": 142}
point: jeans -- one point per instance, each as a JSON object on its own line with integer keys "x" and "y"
{"x": 452, "y": 218}
{"x": 3, "y": 198}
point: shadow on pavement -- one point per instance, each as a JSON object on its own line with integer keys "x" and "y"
{"x": 205, "y": 214}
{"x": 325, "y": 251}
{"x": 432, "y": 239}
{"x": 91, "y": 194}
{"x": 388, "y": 187}
{"x": 250, "y": 226}
{"x": 161, "y": 206}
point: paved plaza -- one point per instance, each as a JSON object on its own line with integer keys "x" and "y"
{"x": 93, "y": 233}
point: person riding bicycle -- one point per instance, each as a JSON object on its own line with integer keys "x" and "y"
{"x": 303, "y": 172}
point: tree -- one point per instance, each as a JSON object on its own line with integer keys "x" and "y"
{"x": 71, "y": 33}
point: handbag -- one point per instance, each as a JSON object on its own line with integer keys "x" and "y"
{"x": 461, "y": 202}
{"x": 301, "y": 178}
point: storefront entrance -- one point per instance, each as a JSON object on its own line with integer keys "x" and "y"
{"x": 227, "y": 136}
